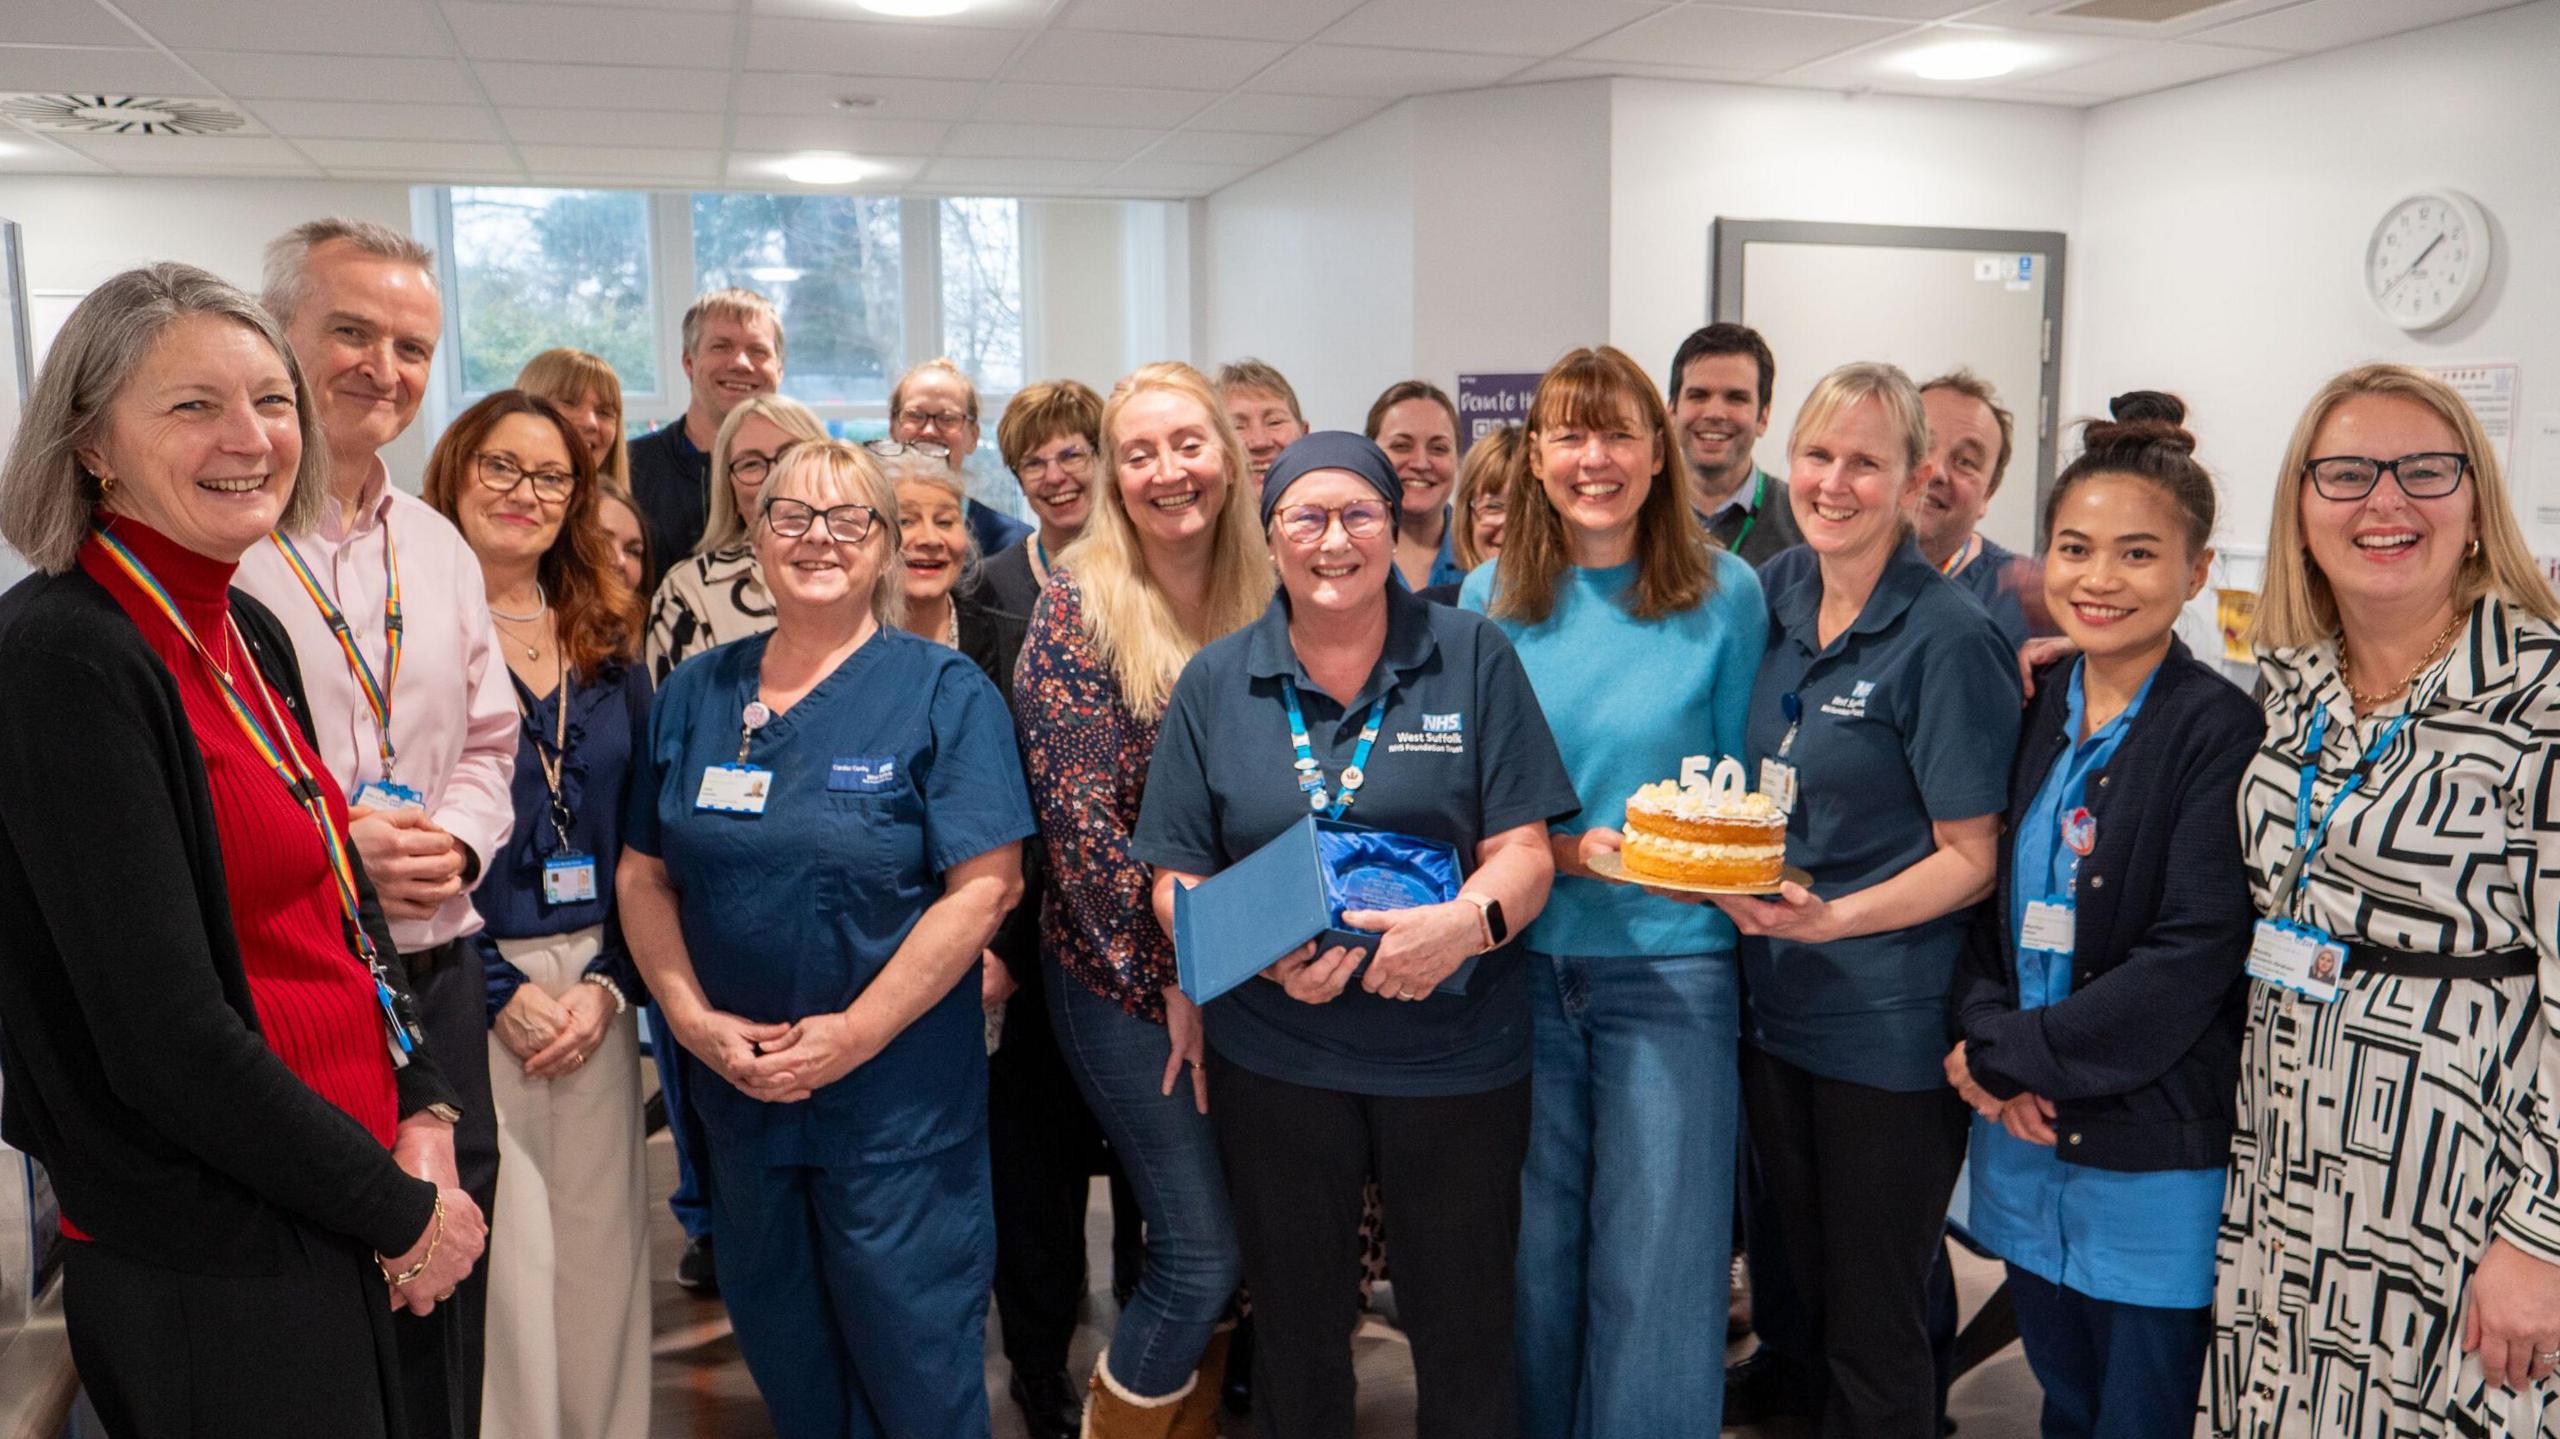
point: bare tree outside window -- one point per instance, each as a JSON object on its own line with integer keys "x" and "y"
{"x": 831, "y": 264}
{"x": 982, "y": 290}
{"x": 538, "y": 268}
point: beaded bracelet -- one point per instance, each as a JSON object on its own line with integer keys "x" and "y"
{"x": 605, "y": 982}
{"x": 435, "y": 1236}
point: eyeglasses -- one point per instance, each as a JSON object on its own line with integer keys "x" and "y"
{"x": 1306, "y": 524}
{"x": 891, "y": 449}
{"x": 846, "y": 524}
{"x": 502, "y": 474}
{"x": 1486, "y": 505}
{"x": 946, "y": 421}
{"x": 1075, "y": 464}
{"x": 752, "y": 467}
{"x": 2428, "y": 476}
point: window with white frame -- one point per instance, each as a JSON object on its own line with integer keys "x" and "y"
{"x": 832, "y": 265}
{"x": 534, "y": 269}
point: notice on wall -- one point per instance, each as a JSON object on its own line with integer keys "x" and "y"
{"x": 1488, "y": 402}
{"x": 2490, "y": 390}
{"x": 2538, "y": 488}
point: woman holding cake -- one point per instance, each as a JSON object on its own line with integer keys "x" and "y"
{"x": 1888, "y": 708}
{"x": 1415, "y": 719}
{"x": 1640, "y": 642}
{"x": 2099, "y": 996}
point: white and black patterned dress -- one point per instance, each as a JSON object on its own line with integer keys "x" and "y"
{"x": 2387, "y": 1136}
{"x": 704, "y": 601}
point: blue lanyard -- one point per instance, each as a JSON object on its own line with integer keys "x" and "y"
{"x": 1793, "y": 708}
{"x": 2306, "y": 838}
{"x": 1310, "y": 774}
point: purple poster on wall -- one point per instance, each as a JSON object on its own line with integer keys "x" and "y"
{"x": 1488, "y": 402}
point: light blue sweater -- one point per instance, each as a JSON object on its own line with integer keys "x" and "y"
{"x": 1628, "y": 699}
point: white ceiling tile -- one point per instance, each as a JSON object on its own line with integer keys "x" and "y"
{"x": 1384, "y": 74}
{"x": 1047, "y": 142}
{"x": 179, "y": 153}
{"x": 1888, "y": 66}
{"x": 2156, "y": 67}
{"x": 1493, "y": 27}
{"x": 524, "y": 85}
{"x": 946, "y": 52}
{"x": 66, "y": 22}
{"x": 902, "y": 97}
{"x": 358, "y": 120}
{"x": 657, "y": 166}
{"x": 111, "y": 72}
{"x": 1219, "y": 147}
{"x": 725, "y": 7}
{"x": 1094, "y": 57}
{"x": 258, "y": 75}
{"x": 2326, "y": 24}
{"x": 980, "y": 15}
{"x": 339, "y": 27}
{"x": 1176, "y": 177}
{"x": 763, "y": 170}
{"x": 25, "y": 156}
{"x": 1289, "y": 114}
{"x": 512, "y": 178}
{"x": 839, "y": 132}
{"x": 1217, "y": 19}
{"x": 1012, "y": 174}
{"x": 593, "y": 33}
{"x": 1592, "y": 69}
{"x": 1092, "y": 105}
{"x": 1737, "y": 39}
{"x": 2046, "y": 15}
{"x": 418, "y": 156}
{"x": 675, "y": 129}
{"x": 2068, "y": 99}
{"x": 1913, "y": 10}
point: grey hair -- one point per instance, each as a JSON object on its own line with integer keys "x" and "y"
{"x": 288, "y": 273}
{"x": 912, "y": 466}
{"x": 48, "y": 499}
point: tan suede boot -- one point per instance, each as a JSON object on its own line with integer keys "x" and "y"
{"x": 1197, "y": 1416}
{"x": 1111, "y": 1412}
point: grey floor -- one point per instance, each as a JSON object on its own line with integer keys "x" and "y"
{"x": 702, "y": 1387}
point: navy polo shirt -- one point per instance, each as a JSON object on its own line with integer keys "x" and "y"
{"x": 892, "y": 769}
{"x": 671, "y": 487}
{"x": 1989, "y": 581}
{"x": 1463, "y": 752}
{"x": 1910, "y": 716}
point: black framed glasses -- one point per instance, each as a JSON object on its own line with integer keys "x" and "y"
{"x": 501, "y": 473}
{"x": 1306, "y": 524}
{"x": 1075, "y": 464}
{"x": 949, "y": 422}
{"x": 2431, "y": 475}
{"x": 753, "y": 467}
{"x": 891, "y": 449}
{"x": 846, "y": 524}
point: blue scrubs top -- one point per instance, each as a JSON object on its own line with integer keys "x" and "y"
{"x": 1910, "y": 716}
{"x": 2142, "y": 1238}
{"x": 893, "y": 769}
{"x": 1988, "y": 580}
{"x": 1445, "y": 569}
{"x": 1462, "y": 752}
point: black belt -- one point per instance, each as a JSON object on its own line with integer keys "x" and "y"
{"x": 2497, "y": 964}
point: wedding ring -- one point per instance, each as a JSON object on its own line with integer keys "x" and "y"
{"x": 1196, "y": 1064}
{"x": 2548, "y": 1359}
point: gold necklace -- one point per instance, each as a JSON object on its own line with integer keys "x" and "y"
{"x": 2434, "y": 652}
{"x": 532, "y": 647}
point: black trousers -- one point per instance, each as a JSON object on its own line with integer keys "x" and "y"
{"x": 441, "y": 1354}
{"x": 1297, "y": 1161}
{"x": 304, "y": 1352}
{"x": 1855, "y": 1181}
{"x": 1044, "y": 1148}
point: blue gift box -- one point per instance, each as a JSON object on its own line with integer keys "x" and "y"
{"x": 1235, "y": 924}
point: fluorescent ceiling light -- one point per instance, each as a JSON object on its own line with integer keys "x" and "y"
{"x": 1967, "y": 60}
{"x": 824, "y": 169}
{"x": 914, "y": 9}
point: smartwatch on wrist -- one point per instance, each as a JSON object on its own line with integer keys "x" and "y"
{"x": 1496, "y": 929}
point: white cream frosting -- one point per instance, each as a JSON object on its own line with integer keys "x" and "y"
{"x": 1692, "y": 850}
{"x": 1703, "y": 802}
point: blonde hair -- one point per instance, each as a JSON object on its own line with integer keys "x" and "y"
{"x": 724, "y": 526}
{"x": 1489, "y": 465}
{"x": 565, "y": 377}
{"x": 1252, "y": 374}
{"x": 1126, "y": 612}
{"x": 48, "y": 499}
{"x": 820, "y": 465}
{"x": 2296, "y": 605}
{"x": 1846, "y": 387}
{"x": 744, "y": 306}
{"x": 969, "y": 387}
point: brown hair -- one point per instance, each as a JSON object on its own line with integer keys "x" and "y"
{"x": 1974, "y": 387}
{"x": 1593, "y": 388}
{"x": 566, "y": 376}
{"x": 599, "y": 615}
{"x": 746, "y": 307}
{"x": 2146, "y": 440}
{"x": 1252, "y": 374}
{"x": 969, "y": 387}
{"x": 1049, "y": 410}
{"x": 1488, "y": 466}
{"x": 1403, "y": 390}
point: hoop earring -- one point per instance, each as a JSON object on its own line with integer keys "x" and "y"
{"x": 106, "y": 486}
{"x": 2473, "y": 553}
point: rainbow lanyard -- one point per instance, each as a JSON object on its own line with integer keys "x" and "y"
{"x": 1963, "y": 556}
{"x": 289, "y": 771}
{"x": 377, "y": 693}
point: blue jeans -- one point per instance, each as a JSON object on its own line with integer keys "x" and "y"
{"x": 1170, "y": 1153}
{"x": 2109, "y": 1370}
{"x": 1626, "y": 1201}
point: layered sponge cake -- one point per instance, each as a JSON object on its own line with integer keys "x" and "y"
{"x": 1704, "y": 834}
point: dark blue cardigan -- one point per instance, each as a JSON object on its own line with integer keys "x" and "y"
{"x": 2142, "y": 1059}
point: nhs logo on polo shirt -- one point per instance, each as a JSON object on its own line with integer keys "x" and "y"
{"x": 863, "y": 773}
{"x": 1852, "y": 705}
{"x": 1440, "y": 734}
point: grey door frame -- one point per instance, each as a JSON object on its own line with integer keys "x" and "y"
{"x": 1726, "y": 238}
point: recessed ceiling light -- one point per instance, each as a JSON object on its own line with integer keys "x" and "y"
{"x": 1967, "y": 60}
{"x": 914, "y": 9}
{"x": 824, "y": 169}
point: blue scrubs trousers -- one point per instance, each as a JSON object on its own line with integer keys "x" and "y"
{"x": 859, "y": 1292}
{"x": 2110, "y": 1370}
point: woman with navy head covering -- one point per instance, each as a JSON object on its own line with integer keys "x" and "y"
{"x": 825, "y": 834}
{"x": 1383, "y": 709}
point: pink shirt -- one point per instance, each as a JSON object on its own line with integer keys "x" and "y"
{"x": 453, "y": 714}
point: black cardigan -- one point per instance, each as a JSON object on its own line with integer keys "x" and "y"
{"x": 2142, "y": 1059}
{"x": 134, "y": 1065}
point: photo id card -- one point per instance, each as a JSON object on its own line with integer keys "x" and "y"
{"x": 734, "y": 789}
{"x": 382, "y": 794}
{"x": 1778, "y": 782}
{"x": 569, "y": 879}
{"x": 2049, "y": 925}
{"x": 2299, "y": 958}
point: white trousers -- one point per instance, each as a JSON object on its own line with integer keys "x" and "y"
{"x": 568, "y": 1251}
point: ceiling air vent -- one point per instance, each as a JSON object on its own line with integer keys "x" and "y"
{"x": 2136, "y": 12}
{"x": 123, "y": 115}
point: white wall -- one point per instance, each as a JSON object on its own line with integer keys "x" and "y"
{"x": 2223, "y": 225}
{"x": 1077, "y": 296}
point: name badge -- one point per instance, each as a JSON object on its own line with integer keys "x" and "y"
{"x": 862, "y": 774}
{"x": 1778, "y": 782}
{"x": 2049, "y": 925}
{"x": 569, "y": 879}
{"x": 734, "y": 789}
{"x": 2297, "y": 957}
{"x": 383, "y": 794}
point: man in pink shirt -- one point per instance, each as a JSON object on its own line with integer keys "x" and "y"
{"x": 414, "y": 714}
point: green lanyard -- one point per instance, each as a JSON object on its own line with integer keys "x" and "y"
{"x": 1759, "y": 496}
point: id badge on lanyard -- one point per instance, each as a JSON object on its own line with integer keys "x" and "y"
{"x": 2299, "y": 956}
{"x": 2053, "y": 924}
{"x": 739, "y": 787}
{"x": 382, "y": 794}
{"x": 1777, "y": 775}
